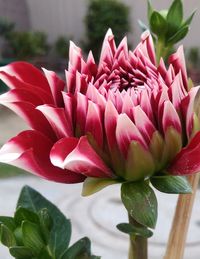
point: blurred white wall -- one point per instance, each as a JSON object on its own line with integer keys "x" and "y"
{"x": 65, "y": 17}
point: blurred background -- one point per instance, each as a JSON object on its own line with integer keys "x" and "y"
{"x": 38, "y": 31}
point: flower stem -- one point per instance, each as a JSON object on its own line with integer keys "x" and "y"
{"x": 178, "y": 234}
{"x": 138, "y": 244}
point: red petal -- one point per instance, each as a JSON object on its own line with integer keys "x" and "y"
{"x": 30, "y": 151}
{"x": 187, "y": 161}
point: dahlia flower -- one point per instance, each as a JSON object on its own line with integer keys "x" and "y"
{"x": 125, "y": 118}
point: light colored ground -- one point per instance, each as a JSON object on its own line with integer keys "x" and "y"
{"x": 96, "y": 216}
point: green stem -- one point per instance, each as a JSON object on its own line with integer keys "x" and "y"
{"x": 138, "y": 244}
{"x": 162, "y": 50}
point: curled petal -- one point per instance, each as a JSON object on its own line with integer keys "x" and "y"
{"x": 77, "y": 155}
{"x": 30, "y": 151}
{"x": 187, "y": 161}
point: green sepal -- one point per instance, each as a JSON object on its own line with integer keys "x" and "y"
{"x": 179, "y": 35}
{"x": 7, "y": 237}
{"x": 189, "y": 19}
{"x": 32, "y": 237}
{"x": 8, "y": 222}
{"x": 22, "y": 214}
{"x": 21, "y": 252}
{"x": 134, "y": 231}
{"x": 158, "y": 24}
{"x": 140, "y": 202}
{"x": 174, "y": 17}
{"x": 46, "y": 223}
{"x": 92, "y": 185}
{"x": 171, "y": 184}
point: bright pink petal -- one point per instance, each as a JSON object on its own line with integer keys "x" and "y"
{"x": 81, "y": 113}
{"x": 187, "y": 161}
{"x": 56, "y": 85}
{"x": 79, "y": 157}
{"x": 30, "y": 151}
{"x": 57, "y": 119}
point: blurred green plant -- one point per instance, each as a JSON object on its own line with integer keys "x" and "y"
{"x": 62, "y": 47}
{"x": 101, "y": 15}
{"x": 26, "y": 45}
{"x": 39, "y": 230}
{"x": 167, "y": 27}
{"x": 193, "y": 58}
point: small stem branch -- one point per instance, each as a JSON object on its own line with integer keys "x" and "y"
{"x": 178, "y": 234}
{"x": 138, "y": 245}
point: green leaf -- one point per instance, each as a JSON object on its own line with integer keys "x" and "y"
{"x": 61, "y": 231}
{"x": 149, "y": 10}
{"x": 19, "y": 236}
{"x": 171, "y": 184}
{"x": 7, "y": 238}
{"x": 134, "y": 231}
{"x": 21, "y": 252}
{"x": 22, "y": 214}
{"x": 46, "y": 223}
{"x": 32, "y": 237}
{"x": 174, "y": 17}
{"x": 189, "y": 19}
{"x": 80, "y": 250}
{"x": 179, "y": 35}
{"x": 158, "y": 24}
{"x": 8, "y": 222}
{"x": 92, "y": 185}
{"x": 140, "y": 202}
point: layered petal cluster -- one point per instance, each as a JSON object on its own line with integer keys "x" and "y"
{"x": 125, "y": 117}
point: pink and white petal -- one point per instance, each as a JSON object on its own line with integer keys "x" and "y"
{"x": 187, "y": 161}
{"x": 187, "y": 105}
{"x": 126, "y": 131}
{"x": 94, "y": 95}
{"x": 75, "y": 56}
{"x": 30, "y": 151}
{"x": 94, "y": 123}
{"x": 70, "y": 81}
{"x": 178, "y": 61}
{"x": 27, "y": 73}
{"x": 170, "y": 117}
{"x": 57, "y": 119}
{"x": 81, "y": 113}
{"x": 33, "y": 117}
{"x": 78, "y": 156}
{"x": 143, "y": 123}
{"x": 15, "y": 83}
{"x": 56, "y": 85}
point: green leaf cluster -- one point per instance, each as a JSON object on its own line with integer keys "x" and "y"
{"x": 39, "y": 230}
{"x": 167, "y": 26}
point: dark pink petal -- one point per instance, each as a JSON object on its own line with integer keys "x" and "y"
{"x": 27, "y": 73}
{"x": 56, "y": 85}
{"x": 81, "y": 113}
{"x": 187, "y": 161}
{"x": 75, "y": 56}
{"x": 94, "y": 123}
{"x": 30, "y": 151}
{"x": 57, "y": 119}
{"x": 126, "y": 131}
{"x": 79, "y": 157}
